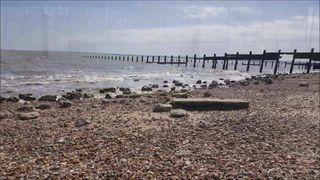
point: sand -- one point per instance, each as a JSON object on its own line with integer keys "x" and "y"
{"x": 277, "y": 137}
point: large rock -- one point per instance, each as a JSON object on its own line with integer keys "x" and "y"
{"x": 12, "y": 99}
{"x": 43, "y": 106}
{"x": 198, "y": 82}
{"x": 178, "y": 84}
{"x": 146, "y": 88}
{"x": 109, "y": 96}
{"x": 82, "y": 122}
{"x": 134, "y": 95}
{"x": 303, "y": 84}
{"x": 48, "y": 98}
{"x": 72, "y": 95}
{"x": 155, "y": 86}
{"x": 88, "y": 95}
{"x": 244, "y": 83}
{"x": 213, "y": 84}
{"x": 268, "y": 80}
{"x": 27, "y": 97}
{"x": 209, "y": 104}
{"x": 65, "y": 103}
{"x": 2, "y": 99}
{"x": 162, "y": 107}
{"x": 110, "y": 89}
{"x": 176, "y": 113}
{"x": 28, "y": 115}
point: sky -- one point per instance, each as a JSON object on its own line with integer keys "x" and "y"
{"x": 160, "y": 27}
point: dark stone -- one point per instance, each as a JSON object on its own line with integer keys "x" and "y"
{"x": 204, "y": 82}
{"x": 48, "y": 98}
{"x": 203, "y": 86}
{"x": 12, "y": 99}
{"x": 124, "y": 89}
{"x": 110, "y": 89}
{"x": 2, "y": 99}
{"x": 178, "y": 84}
{"x": 227, "y": 81}
{"x": 165, "y": 81}
{"x": 244, "y": 83}
{"x": 78, "y": 90}
{"x": 198, "y": 82}
{"x": 173, "y": 89}
{"x": 120, "y": 96}
{"x": 155, "y": 86}
{"x": 213, "y": 84}
{"x": 65, "y": 103}
{"x": 25, "y": 109}
{"x": 87, "y": 95}
{"x": 256, "y": 82}
{"x": 174, "y": 81}
{"x": 184, "y": 90}
{"x": 82, "y": 122}
{"x": 72, "y": 95}
{"x": 43, "y": 106}
{"x": 165, "y": 86}
{"x": 180, "y": 95}
{"x": 303, "y": 84}
{"x": 126, "y": 92}
{"x": 146, "y": 88}
{"x": 268, "y": 80}
{"x": 109, "y": 96}
{"x": 134, "y": 95}
{"x": 27, "y": 97}
{"x": 206, "y": 94}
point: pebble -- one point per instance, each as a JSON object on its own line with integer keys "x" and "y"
{"x": 28, "y": 115}
{"x": 176, "y": 113}
{"x": 82, "y": 122}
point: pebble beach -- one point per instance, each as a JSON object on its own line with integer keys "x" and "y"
{"x": 124, "y": 138}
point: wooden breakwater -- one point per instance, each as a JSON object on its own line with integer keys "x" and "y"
{"x": 227, "y": 60}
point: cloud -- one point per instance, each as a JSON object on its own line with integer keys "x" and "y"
{"x": 211, "y": 11}
{"x": 301, "y": 33}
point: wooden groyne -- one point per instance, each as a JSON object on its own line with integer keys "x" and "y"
{"x": 228, "y": 60}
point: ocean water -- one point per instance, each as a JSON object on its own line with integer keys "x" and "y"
{"x": 57, "y": 72}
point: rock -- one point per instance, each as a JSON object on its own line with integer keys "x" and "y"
{"x": 65, "y": 103}
{"x": 123, "y": 101}
{"x": 162, "y": 107}
{"x": 256, "y": 82}
{"x": 176, "y": 113}
{"x": 135, "y": 80}
{"x": 72, "y": 95}
{"x": 174, "y": 81}
{"x": 178, "y": 84}
{"x": 120, "y": 96}
{"x": 146, "y": 88}
{"x": 268, "y": 80}
{"x": 78, "y": 90}
{"x": 143, "y": 100}
{"x": 244, "y": 83}
{"x": 104, "y": 101}
{"x": 12, "y": 99}
{"x": 88, "y": 95}
{"x": 233, "y": 82}
{"x": 27, "y": 97}
{"x": 303, "y": 84}
{"x": 25, "y": 109}
{"x": 180, "y": 95}
{"x": 227, "y": 81}
{"x": 109, "y": 89}
{"x": 173, "y": 89}
{"x": 155, "y": 86}
{"x": 184, "y": 90}
{"x": 221, "y": 79}
{"x": 198, "y": 82}
{"x": 2, "y": 99}
{"x": 203, "y": 124}
{"x": 134, "y": 95}
{"x": 43, "y": 106}
{"x": 204, "y": 82}
{"x": 165, "y": 86}
{"x": 28, "y": 115}
{"x": 203, "y": 86}
{"x": 109, "y": 96}
{"x": 82, "y": 122}
{"x": 209, "y": 104}
{"x": 48, "y": 98}
{"x": 206, "y": 94}
{"x": 165, "y": 81}
{"x": 123, "y": 89}
{"x": 186, "y": 85}
{"x": 213, "y": 84}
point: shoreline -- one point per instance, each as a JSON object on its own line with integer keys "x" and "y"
{"x": 122, "y": 137}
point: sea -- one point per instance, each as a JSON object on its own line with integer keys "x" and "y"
{"x": 41, "y": 73}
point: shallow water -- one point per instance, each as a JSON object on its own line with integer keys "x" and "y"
{"x": 55, "y": 72}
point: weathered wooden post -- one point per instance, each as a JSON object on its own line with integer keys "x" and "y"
{"x": 194, "y": 60}
{"x": 236, "y": 63}
{"x": 227, "y": 60}
{"x": 203, "y": 60}
{"x": 137, "y": 58}
{"x": 285, "y": 64}
{"x": 152, "y": 59}
{"x": 292, "y": 62}
{"x": 271, "y": 63}
{"x": 249, "y": 61}
{"x": 128, "y": 58}
{"x": 132, "y": 58}
{"x": 141, "y": 58}
{"x": 277, "y": 63}
{"x": 262, "y": 61}
{"x": 165, "y": 59}
{"x": 171, "y": 59}
{"x": 213, "y": 61}
{"x": 158, "y": 59}
{"x": 147, "y": 59}
{"x": 186, "y": 60}
{"x": 224, "y": 62}
{"x": 179, "y": 60}
{"x": 310, "y": 59}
